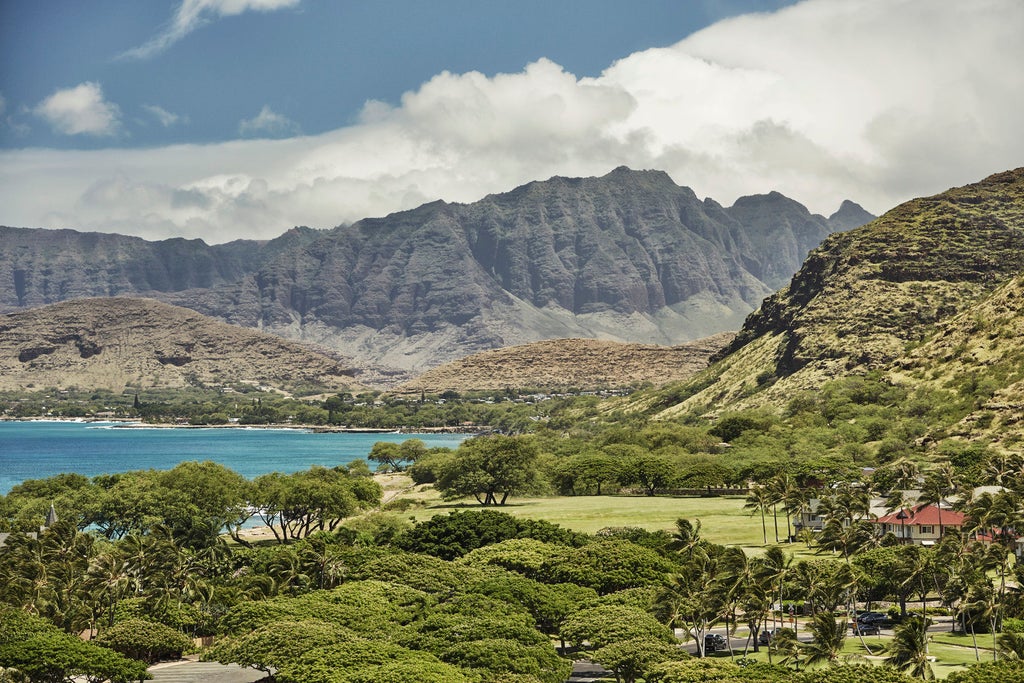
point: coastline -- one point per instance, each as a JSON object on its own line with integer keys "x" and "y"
{"x": 134, "y": 423}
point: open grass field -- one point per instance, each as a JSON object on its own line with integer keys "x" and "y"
{"x": 723, "y": 519}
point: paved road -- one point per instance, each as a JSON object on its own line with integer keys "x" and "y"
{"x": 203, "y": 672}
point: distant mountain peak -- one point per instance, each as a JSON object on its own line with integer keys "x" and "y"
{"x": 850, "y": 215}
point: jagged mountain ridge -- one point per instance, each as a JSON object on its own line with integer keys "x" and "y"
{"x": 114, "y": 343}
{"x": 630, "y": 256}
{"x": 865, "y": 296}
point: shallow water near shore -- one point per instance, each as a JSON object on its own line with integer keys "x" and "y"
{"x": 36, "y": 450}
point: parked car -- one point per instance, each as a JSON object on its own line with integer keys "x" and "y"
{"x": 714, "y": 642}
{"x": 765, "y": 637}
{"x": 865, "y": 629}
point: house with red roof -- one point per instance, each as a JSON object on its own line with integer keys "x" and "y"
{"x": 920, "y": 524}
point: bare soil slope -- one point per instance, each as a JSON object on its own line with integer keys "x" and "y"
{"x": 560, "y": 363}
{"x": 119, "y": 342}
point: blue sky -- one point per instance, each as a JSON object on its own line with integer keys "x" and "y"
{"x": 312, "y": 63}
{"x": 222, "y": 119}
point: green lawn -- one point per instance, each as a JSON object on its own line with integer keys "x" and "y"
{"x": 723, "y": 520}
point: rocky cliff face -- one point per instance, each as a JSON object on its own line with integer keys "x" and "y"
{"x": 629, "y": 256}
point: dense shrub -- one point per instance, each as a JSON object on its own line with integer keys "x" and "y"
{"x": 145, "y": 640}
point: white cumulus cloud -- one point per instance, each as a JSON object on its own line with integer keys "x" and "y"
{"x": 80, "y": 110}
{"x": 268, "y": 123}
{"x": 872, "y": 100}
{"x": 191, "y": 14}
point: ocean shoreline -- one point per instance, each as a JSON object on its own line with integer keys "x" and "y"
{"x": 131, "y": 423}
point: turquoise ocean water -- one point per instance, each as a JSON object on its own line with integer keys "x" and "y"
{"x": 35, "y": 450}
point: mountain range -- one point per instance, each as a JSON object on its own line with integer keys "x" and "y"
{"x": 629, "y": 256}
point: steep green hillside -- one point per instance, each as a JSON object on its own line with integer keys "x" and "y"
{"x": 865, "y": 297}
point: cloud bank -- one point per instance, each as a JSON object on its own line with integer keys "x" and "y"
{"x": 192, "y": 14}
{"x": 873, "y": 100}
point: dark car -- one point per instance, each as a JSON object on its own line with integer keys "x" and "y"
{"x": 865, "y": 629}
{"x": 713, "y": 642}
{"x": 765, "y": 637}
{"x": 871, "y": 618}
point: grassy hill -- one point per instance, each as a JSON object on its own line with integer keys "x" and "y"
{"x": 891, "y": 297}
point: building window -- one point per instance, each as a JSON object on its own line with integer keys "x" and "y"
{"x": 927, "y": 530}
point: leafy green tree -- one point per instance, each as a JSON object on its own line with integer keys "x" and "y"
{"x": 603, "y": 625}
{"x": 145, "y": 640}
{"x": 277, "y": 643}
{"x": 609, "y": 566}
{"x": 639, "y": 467}
{"x": 387, "y": 455}
{"x": 526, "y": 556}
{"x": 495, "y": 657}
{"x": 549, "y": 605}
{"x": 63, "y": 657}
{"x": 368, "y": 662}
{"x": 319, "y": 499}
{"x": 453, "y": 535}
{"x": 733, "y": 425}
{"x": 585, "y": 473}
{"x": 632, "y": 659}
{"x": 491, "y": 468}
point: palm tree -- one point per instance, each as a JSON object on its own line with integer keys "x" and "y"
{"x": 693, "y": 599}
{"x": 108, "y": 581}
{"x": 908, "y": 650}
{"x": 686, "y": 537}
{"x": 1011, "y": 645}
{"x": 847, "y": 539}
{"x": 776, "y": 565}
{"x": 829, "y": 636}
{"x": 758, "y": 500}
{"x": 797, "y": 499}
{"x": 939, "y": 482}
{"x": 778, "y": 486}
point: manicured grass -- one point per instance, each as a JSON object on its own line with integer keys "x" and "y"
{"x": 723, "y": 520}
